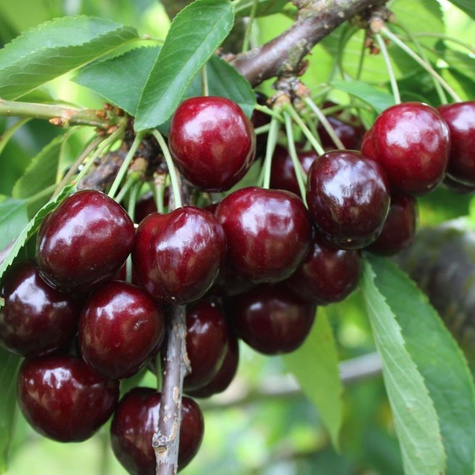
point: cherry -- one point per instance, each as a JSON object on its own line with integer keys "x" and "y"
{"x": 84, "y": 241}
{"x": 206, "y": 342}
{"x": 212, "y": 142}
{"x": 348, "y": 198}
{"x": 226, "y": 373}
{"x": 327, "y": 274}
{"x": 134, "y": 423}
{"x": 283, "y": 173}
{"x": 350, "y": 133}
{"x": 460, "y": 118}
{"x": 63, "y": 398}
{"x": 268, "y": 232}
{"x": 177, "y": 256}
{"x": 399, "y": 228}
{"x": 36, "y": 319}
{"x": 270, "y": 319}
{"x": 120, "y": 327}
{"x": 411, "y": 141}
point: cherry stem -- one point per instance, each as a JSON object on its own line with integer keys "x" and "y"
{"x": 134, "y": 183}
{"x": 470, "y": 48}
{"x": 176, "y": 194}
{"x": 299, "y": 171}
{"x": 267, "y": 110}
{"x": 389, "y": 67}
{"x": 262, "y": 129}
{"x": 204, "y": 81}
{"x": 306, "y": 131}
{"x": 270, "y": 148}
{"x": 247, "y": 34}
{"x": 385, "y": 31}
{"x": 326, "y": 125}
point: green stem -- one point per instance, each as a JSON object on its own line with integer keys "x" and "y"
{"x": 303, "y": 127}
{"x": 299, "y": 171}
{"x": 271, "y": 143}
{"x": 267, "y": 110}
{"x": 470, "y": 48}
{"x": 136, "y": 185}
{"x": 171, "y": 168}
{"x": 131, "y": 180}
{"x": 326, "y": 125}
{"x": 204, "y": 81}
{"x": 361, "y": 59}
{"x": 57, "y": 115}
{"x": 247, "y": 34}
{"x": 421, "y": 62}
{"x": 41, "y": 194}
{"x": 8, "y": 134}
{"x": 389, "y": 68}
{"x": 262, "y": 130}
{"x": 125, "y": 165}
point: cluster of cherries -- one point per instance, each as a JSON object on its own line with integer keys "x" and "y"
{"x": 254, "y": 266}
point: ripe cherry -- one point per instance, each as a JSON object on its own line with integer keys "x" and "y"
{"x": 271, "y": 319}
{"x": 84, "y": 241}
{"x": 268, "y": 232}
{"x": 63, "y": 398}
{"x": 348, "y": 198}
{"x": 120, "y": 327}
{"x": 178, "y": 255}
{"x": 411, "y": 141}
{"x": 212, "y": 142}
{"x": 349, "y": 132}
{"x": 460, "y": 118}
{"x": 134, "y": 423}
{"x": 36, "y": 319}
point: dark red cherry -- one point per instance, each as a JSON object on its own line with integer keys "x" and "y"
{"x": 226, "y": 373}
{"x": 146, "y": 205}
{"x": 348, "y": 198}
{"x": 206, "y": 342}
{"x": 350, "y": 133}
{"x": 63, "y": 398}
{"x": 84, "y": 241}
{"x": 212, "y": 142}
{"x": 177, "y": 256}
{"x": 411, "y": 141}
{"x": 271, "y": 319}
{"x": 134, "y": 423}
{"x": 36, "y": 319}
{"x": 460, "y": 117}
{"x": 283, "y": 173}
{"x": 400, "y": 227}
{"x": 120, "y": 327}
{"x": 327, "y": 274}
{"x": 268, "y": 232}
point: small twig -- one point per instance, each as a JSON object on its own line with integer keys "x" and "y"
{"x": 389, "y": 68}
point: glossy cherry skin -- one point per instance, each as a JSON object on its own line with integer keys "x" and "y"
{"x": 84, "y": 241}
{"x": 178, "y": 255}
{"x": 134, "y": 423}
{"x": 399, "y": 228}
{"x": 460, "y": 118}
{"x": 36, "y": 319}
{"x": 268, "y": 232}
{"x": 348, "y": 198}
{"x": 327, "y": 274}
{"x": 283, "y": 173}
{"x": 226, "y": 372}
{"x": 206, "y": 342}
{"x": 212, "y": 142}
{"x": 120, "y": 327}
{"x": 270, "y": 319}
{"x": 63, "y": 398}
{"x": 412, "y": 143}
{"x": 350, "y": 134}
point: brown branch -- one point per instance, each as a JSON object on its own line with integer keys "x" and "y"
{"x": 284, "y": 54}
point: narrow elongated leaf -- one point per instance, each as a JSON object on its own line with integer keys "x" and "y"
{"x": 41, "y": 171}
{"x": 194, "y": 35}
{"x": 440, "y": 361}
{"x": 54, "y": 48}
{"x": 315, "y": 365}
{"x": 415, "y": 416}
{"x": 264, "y": 7}
{"x": 13, "y": 218}
{"x": 377, "y": 99}
{"x": 9, "y": 364}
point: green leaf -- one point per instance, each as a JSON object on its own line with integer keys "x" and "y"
{"x": 377, "y": 99}
{"x": 315, "y": 365}
{"x": 41, "y": 172}
{"x": 194, "y": 35}
{"x": 439, "y": 360}
{"x": 466, "y": 6}
{"x": 9, "y": 364}
{"x": 13, "y": 218}
{"x": 264, "y": 7}
{"x": 54, "y": 48}
{"x": 414, "y": 413}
